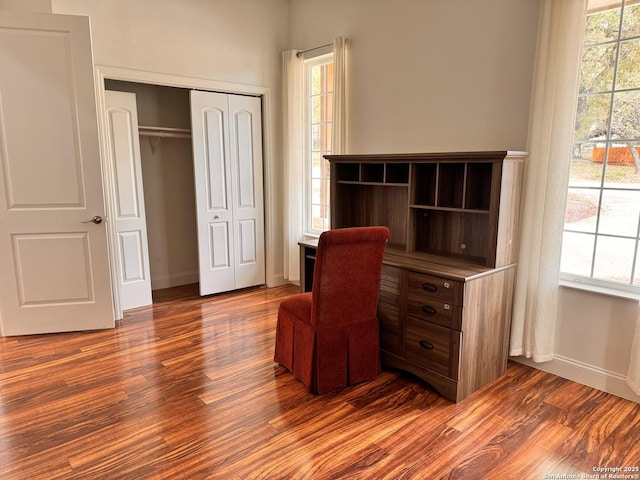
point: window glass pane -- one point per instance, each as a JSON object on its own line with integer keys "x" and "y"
{"x": 328, "y": 107}
{"x": 316, "y": 76}
{"x": 592, "y": 117}
{"x": 577, "y": 249}
{"x": 613, "y": 259}
{"x": 629, "y": 65}
{"x": 621, "y": 160}
{"x": 602, "y": 26}
{"x": 326, "y": 137}
{"x": 587, "y": 165}
{"x": 625, "y": 120}
{"x": 631, "y": 20}
{"x": 582, "y": 210}
{"x": 316, "y": 109}
{"x": 619, "y": 213}
{"x": 328, "y": 72}
{"x": 597, "y": 67}
{"x": 316, "y": 165}
{"x": 315, "y": 138}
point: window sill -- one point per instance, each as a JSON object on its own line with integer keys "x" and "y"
{"x": 611, "y": 292}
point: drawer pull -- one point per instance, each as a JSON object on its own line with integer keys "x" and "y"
{"x": 426, "y": 345}
{"x": 430, "y": 287}
{"x": 428, "y": 309}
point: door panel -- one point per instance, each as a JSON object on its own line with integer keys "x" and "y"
{"x": 248, "y": 209}
{"x": 43, "y": 278}
{"x": 210, "y": 136}
{"x": 248, "y": 248}
{"x": 55, "y": 272}
{"x": 130, "y": 223}
{"x": 215, "y": 160}
{"x": 245, "y": 153}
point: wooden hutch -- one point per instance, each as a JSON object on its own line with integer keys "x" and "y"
{"x": 447, "y": 280}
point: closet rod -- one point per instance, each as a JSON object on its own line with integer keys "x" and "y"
{"x": 164, "y": 132}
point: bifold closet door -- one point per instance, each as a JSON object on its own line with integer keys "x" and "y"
{"x": 227, "y": 155}
{"x": 131, "y": 249}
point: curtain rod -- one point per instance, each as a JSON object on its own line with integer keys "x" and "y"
{"x": 312, "y": 49}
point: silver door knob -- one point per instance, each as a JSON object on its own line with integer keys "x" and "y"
{"x": 97, "y": 220}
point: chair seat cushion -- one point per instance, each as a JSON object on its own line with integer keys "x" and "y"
{"x": 299, "y": 305}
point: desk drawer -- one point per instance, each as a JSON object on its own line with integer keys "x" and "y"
{"x": 434, "y": 287}
{"x": 433, "y": 310}
{"x": 432, "y": 346}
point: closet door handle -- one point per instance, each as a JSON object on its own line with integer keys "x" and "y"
{"x": 216, "y": 217}
{"x": 426, "y": 345}
{"x": 428, "y": 309}
{"x": 430, "y": 287}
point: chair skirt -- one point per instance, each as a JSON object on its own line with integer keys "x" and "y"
{"x": 324, "y": 359}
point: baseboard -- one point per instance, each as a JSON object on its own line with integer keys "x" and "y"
{"x": 174, "y": 280}
{"x": 605, "y": 380}
{"x": 276, "y": 280}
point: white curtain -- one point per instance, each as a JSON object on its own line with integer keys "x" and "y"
{"x": 551, "y": 123}
{"x": 293, "y": 143}
{"x": 339, "y": 128}
{"x": 633, "y": 376}
{"x": 293, "y": 148}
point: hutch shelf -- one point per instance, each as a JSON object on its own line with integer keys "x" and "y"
{"x": 447, "y": 279}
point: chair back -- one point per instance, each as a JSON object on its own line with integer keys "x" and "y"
{"x": 346, "y": 276}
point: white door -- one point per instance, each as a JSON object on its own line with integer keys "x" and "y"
{"x": 227, "y": 154}
{"x": 132, "y": 249}
{"x": 54, "y": 273}
{"x": 245, "y": 135}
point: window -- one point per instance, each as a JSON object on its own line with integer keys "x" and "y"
{"x": 319, "y": 115}
{"x": 601, "y": 244}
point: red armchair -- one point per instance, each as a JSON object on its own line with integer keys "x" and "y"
{"x": 329, "y": 338}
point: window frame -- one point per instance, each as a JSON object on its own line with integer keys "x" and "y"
{"x": 321, "y": 58}
{"x": 631, "y": 289}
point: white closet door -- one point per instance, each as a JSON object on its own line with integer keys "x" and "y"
{"x": 248, "y": 199}
{"x": 54, "y": 273}
{"x": 227, "y": 153}
{"x": 132, "y": 248}
{"x": 212, "y": 171}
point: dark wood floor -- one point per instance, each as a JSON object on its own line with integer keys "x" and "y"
{"x": 187, "y": 389}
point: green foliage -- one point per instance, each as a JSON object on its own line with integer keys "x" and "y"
{"x": 599, "y": 80}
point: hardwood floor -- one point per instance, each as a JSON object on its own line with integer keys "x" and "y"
{"x": 187, "y": 389}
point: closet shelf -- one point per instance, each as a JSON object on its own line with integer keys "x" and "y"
{"x": 164, "y": 132}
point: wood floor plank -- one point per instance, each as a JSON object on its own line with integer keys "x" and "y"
{"x": 187, "y": 389}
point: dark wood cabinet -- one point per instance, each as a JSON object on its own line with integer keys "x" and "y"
{"x": 447, "y": 280}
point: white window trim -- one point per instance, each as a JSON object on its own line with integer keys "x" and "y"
{"x": 596, "y": 285}
{"x": 593, "y": 285}
{"x": 310, "y": 61}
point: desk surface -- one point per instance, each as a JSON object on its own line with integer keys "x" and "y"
{"x": 309, "y": 242}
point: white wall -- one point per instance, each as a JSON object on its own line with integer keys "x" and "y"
{"x": 232, "y": 41}
{"x": 430, "y": 75}
{"x": 593, "y": 340}
{"x": 38, "y": 6}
